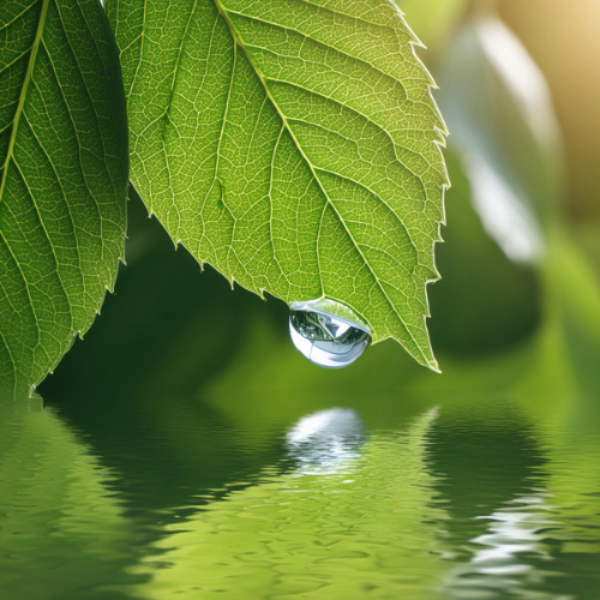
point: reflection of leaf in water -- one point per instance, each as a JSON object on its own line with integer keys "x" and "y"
{"x": 573, "y": 486}
{"x": 548, "y": 526}
{"x": 371, "y": 526}
{"x": 573, "y": 473}
{"x": 61, "y": 530}
{"x": 571, "y": 441}
{"x": 510, "y": 554}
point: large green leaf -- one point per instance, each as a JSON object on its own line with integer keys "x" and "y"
{"x": 63, "y": 179}
{"x": 294, "y": 145}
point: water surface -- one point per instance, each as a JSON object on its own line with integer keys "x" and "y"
{"x": 456, "y": 499}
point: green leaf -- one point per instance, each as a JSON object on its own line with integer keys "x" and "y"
{"x": 63, "y": 180}
{"x": 294, "y": 146}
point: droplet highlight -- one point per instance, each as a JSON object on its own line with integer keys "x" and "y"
{"x": 327, "y": 340}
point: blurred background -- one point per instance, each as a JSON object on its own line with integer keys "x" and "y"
{"x": 186, "y": 407}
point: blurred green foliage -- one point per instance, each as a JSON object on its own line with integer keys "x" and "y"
{"x": 172, "y": 332}
{"x": 433, "y": 20}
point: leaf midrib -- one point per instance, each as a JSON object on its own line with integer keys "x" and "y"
{"x": 223, "y": 12}
{"x": 23, "y": 95}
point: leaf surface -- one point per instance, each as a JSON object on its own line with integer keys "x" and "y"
{"x": 63, "y": 180}
{"x": 293, "y": 145}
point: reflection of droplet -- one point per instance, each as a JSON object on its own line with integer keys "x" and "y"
{"x": 326, "y": 441}
{"x": 325, "y": 339}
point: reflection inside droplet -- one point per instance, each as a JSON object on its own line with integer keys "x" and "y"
{"x": 327, "y": 340}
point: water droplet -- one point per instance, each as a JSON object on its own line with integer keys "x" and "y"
{"x": 326, "y": 339}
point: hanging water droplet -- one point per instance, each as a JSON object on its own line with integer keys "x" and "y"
{"x": 326, "y": 339}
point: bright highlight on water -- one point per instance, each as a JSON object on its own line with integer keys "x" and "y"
{"x": 325, "y": 339}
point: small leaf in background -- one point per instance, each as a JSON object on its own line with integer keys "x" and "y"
{"x": 499, "y": 110}
{"x": 506, "y": 132}
{"x": 293, "y": 146}
{"x": 63, "y": 180}
{"x": 485, "y": 303}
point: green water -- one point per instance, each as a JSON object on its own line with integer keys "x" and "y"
{"x": 461, "y": 499}
{"x": 186, "y": 450}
